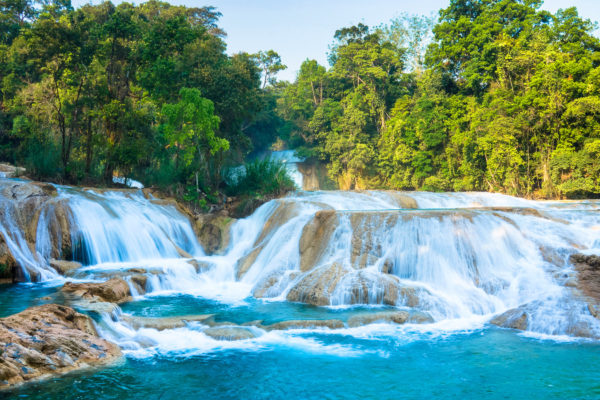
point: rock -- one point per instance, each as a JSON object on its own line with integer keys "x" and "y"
{"x": 112, "y": 291}
{"x": 244, "y": 263}
{"x": 139, "y": 281}
{"x": 397, "y": 317}
{"x": 100, "y": 307}
{"x": 337, "y": 285}
{"x": 305, "y": 323}
{"x": 229, "y": 333}
{"x": 49, "y": 340}
{"x": 361, "y": 287}
{"x": 517, "y": 318}
{"x": 64, "y": 267}
{"x": 316, "y": 238}
{"x": 182, "y": 253}
{"x": 162, "y": 323}
{"x": 588, "y": 279}
{"x": 315, "y": 176}
{"x": 317, "y": 286}
{"x": 25, "y": 206}
{"x": 273, "y": 284}
{"x": 213, "y": 232}
{"x": 419, "y": 317}
{"x": 8, "y": 263}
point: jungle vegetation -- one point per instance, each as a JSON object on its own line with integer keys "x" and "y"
{"x": 492, "y": 95}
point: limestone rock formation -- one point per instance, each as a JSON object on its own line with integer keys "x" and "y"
{"x": 588, "y": 279}
{"x": 115, "y": 290}
{"x": 317, "y": 287}
{"x": 162, "y": 323}
{"x": 229, "y": 333}
{"x": 516, "y": 318}
{"x": 315, "y": 238}
{"x": 397, "y": 317}
{"x": 32, "y": 212}
{"x": 304, "y": 324}
{"x": 213, "y": 232}
{"x": 49, "y": 340}
{"x": 64, "y": 267}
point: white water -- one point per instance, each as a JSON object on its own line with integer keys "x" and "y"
{"x": 126, "y": 227}
{"x": 461, "y": 260}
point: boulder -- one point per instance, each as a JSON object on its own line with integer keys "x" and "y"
{"x": 91, "y": 305}
{"x": 139, "y": 281}
{"x": 516, "y": 318}
{"x": 49, "y": 340}
{"x": 64, "y": 267}
{"x": 112, "y": 291}
{"x": 317, "y": 286}
{"x": 229, "y": 333}
{"x": 396, "y": 317}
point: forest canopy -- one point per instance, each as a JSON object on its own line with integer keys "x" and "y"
{"x": 493, "y": 95}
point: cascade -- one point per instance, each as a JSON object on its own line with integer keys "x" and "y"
{"x": 443, "y": 256}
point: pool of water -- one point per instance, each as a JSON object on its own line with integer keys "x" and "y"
{"x": 379, "y": 361}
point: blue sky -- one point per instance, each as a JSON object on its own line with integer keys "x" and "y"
{"x": 301, "y": 29}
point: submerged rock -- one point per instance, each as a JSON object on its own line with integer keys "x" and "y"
{"x": 162, "y": 323}
{"x": 229, "y": 333}
{"x": 397, "y": 317}
{"x": 517, "y": 318}
{"x": 49, "y": 340}
{"x": 112, "y": 291}
{"x": 305, "y": 323}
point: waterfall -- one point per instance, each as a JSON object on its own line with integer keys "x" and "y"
{"x": 127, "y": 227}
{"x": 452, "y": 256}
{"x": 447, "y": 256}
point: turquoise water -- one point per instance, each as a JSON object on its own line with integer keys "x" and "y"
{"x": 383, "y": 363}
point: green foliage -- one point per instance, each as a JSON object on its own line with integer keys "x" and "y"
{"x": 259, "y": 178}
{"x": 144, "y": 91}
{"x": 497, "y": 95}
{"x": 506, "y": 98}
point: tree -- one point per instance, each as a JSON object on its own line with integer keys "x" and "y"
{"x": 270, "y": 64}
{"x": 189, "y": 127}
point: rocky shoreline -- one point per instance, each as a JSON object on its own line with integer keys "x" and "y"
{"x": 49, "y": 340}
